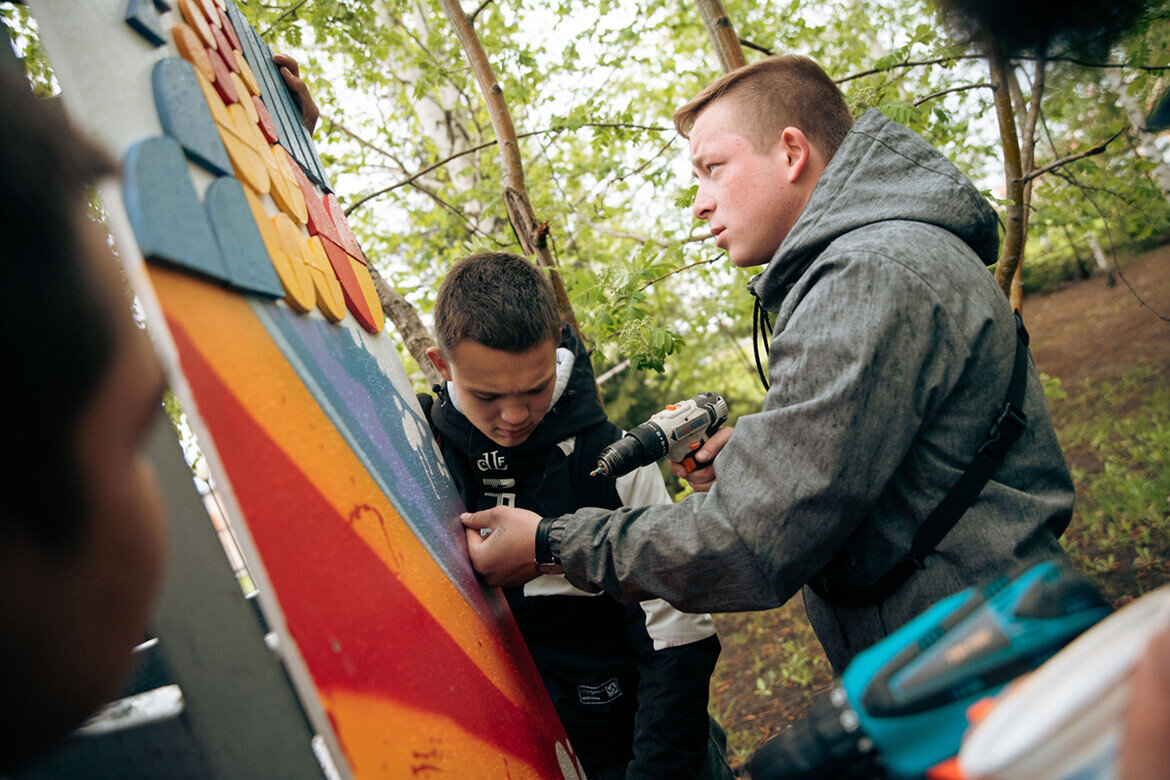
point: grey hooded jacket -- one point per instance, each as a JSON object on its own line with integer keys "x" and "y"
{"x": 890, "y": 358}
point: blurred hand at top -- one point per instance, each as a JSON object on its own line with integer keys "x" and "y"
{"x": 290, "y": 71}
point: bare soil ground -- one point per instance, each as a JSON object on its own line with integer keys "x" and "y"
{"x": 1084, "y": 332}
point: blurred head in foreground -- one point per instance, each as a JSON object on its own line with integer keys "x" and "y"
{"x": 82, "y": 530}
{"x": 1022, "y": 27}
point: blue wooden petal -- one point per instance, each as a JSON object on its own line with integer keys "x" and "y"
{"x": 239, "y": 239}
{"x": 184, "y": 115}
{"x": 143, "y": 17}
{"x": 164, "y": 210}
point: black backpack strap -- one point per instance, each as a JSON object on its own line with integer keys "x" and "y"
{"x": 835, "y": 585}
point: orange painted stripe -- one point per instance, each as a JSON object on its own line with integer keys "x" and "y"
{"x": 425, "y": 744}
{"x": 362, "y": 633}
{"x": 227, "y": 333}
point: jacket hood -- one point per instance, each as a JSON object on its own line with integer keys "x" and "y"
{"x": 882, "y": 171}
{"x": 575, "y": 407}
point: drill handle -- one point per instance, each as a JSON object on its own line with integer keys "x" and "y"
{"x": 688, "y": 461}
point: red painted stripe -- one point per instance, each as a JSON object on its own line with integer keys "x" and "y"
{"x": 357, "y": 625}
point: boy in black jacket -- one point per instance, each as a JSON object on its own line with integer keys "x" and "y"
{"x": 519, "y": 423}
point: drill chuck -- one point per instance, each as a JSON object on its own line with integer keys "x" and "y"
{"x": 640, "y": 447}
{"x": 676, "y": 432}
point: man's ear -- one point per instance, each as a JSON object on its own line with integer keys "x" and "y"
{"x": 798, "y": 153}
{"x": 436, "y": 358}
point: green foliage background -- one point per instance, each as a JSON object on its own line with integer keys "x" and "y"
{"x": 591, "y": 88}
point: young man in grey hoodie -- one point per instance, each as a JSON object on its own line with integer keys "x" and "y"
{"x": 889, "y": 362}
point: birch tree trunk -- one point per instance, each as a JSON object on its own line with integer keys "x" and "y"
{"x": 1099, "y": 256}
{"x": 1146, "y": 146}
{"x": 438, "y": 114}
{"x": 443, "y": 118}
{"x": 532, "y": 235}
{"x": 718, "y": 24}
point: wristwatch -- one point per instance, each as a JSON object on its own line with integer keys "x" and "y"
{"x": 546, "y": 562}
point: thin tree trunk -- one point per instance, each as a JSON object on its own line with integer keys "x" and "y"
{"x": 1083, "y": 270}
{"x": 414, "y": 334}
{"x": 1099, "y": 256}
{"x": 1013, "y": 241}
{"x": 1016, "y": 295}
{"x": 532, "y": 234}
{"x": 1029, "y": 115}
{"x": 441, "y": 113}
{"x": 718, "y": 24}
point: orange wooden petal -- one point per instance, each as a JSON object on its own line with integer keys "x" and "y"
{"x": 303, "y": 293}
{"x": 330, "y": 300}
{"x": 194, "y": 16}
{"x": 192, "y": 50}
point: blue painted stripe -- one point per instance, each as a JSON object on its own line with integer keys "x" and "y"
{"x": 387, "y": 434}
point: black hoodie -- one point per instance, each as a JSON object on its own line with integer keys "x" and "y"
{"x": 628, "y": 696}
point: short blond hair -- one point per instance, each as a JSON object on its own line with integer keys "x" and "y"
{"x": 774, "y": 93}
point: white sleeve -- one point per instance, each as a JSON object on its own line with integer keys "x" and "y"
{"x": 643, "y": 487}
{"x": 666, "y": 626}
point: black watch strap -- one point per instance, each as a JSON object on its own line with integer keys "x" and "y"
{"x": 546, "y": 562}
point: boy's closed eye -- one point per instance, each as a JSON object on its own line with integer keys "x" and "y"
{"x": 489, "y": 397}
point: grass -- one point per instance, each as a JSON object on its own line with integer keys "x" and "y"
{"x": 772, "y": 667}
{"x": 1116, "y": 436}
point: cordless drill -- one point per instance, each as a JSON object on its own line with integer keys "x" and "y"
{"x": 677, "y": 432}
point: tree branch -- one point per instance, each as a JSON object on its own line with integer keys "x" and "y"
{"x": 472, "y": 150}
{"x": 908, "y": 64}
{"x": 1071, "y": 158}
{"x": 471, "y": 18}
{"x": 1106, "y": 65}
{"x": 331, "y": 124}
{"x": 1113, "y": 247}
{"x": 474, "y": 228}
{"x": 959, "y": 57}
{"x": 644, "y": 239}
{"x": 282, "y": 17}
{"x": 756, "y": 47}
{"x": 680, "y": 270}
{"x": 620, "y": 367}
{"x": 963, "y": 88}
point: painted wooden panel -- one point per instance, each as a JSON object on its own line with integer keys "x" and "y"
{"x": 403, "y": 663}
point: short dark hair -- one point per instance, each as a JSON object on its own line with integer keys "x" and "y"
{"x": 56, "y": 337}
{"x": 496, "y": 299}
{"x": 774, "y": 93}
